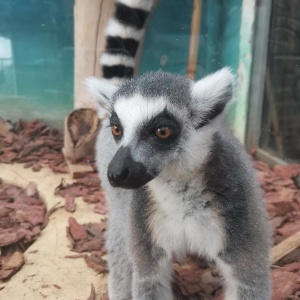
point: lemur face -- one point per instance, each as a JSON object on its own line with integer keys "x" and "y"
{"x": 149, "y": 135}
{"x": 160, "y": 120}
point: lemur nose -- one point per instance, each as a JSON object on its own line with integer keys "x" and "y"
{"x": 117, "y": 179}
{"x": 124, "y": 172}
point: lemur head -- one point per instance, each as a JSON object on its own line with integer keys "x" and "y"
{"x": 160, "y": 122}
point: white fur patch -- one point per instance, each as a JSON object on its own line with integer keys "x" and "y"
{"x": 211, "y": 87}
{"x": 141, "y": 4}
{"x": 177, "y": 233}
{"x": 101, "y": 91}
{"x": 232, "y": 284}
{"x": 134, "y": 111}
{"x": 198, "y": 147}
{"x": 115, "y": 28}
{"x": 210, "y": 90}
{"x": 117, "y": 81}
{"x": 117, "y": 59}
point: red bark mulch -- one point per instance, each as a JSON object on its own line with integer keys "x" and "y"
{"x": 22, "y": 216}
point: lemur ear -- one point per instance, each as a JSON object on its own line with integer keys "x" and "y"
{"x": 101, "y": 91}
{"x": 210, "y": 96}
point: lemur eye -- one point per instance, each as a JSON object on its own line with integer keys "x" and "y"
{"x": 116, "y": 131}
{"x": 163, "y": 132}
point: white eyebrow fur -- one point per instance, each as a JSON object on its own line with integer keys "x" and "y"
{"x": 135, "y": 111}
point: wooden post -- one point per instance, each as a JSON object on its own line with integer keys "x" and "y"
{"x": 194, "y": 41}
{"x": 90, "y": 20}
{"x": 82, "y": 125}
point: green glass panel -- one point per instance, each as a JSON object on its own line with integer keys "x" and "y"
{"x": 36, "y": 59}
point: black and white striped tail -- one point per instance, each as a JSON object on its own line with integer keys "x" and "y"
{"x": 123, "y": 36}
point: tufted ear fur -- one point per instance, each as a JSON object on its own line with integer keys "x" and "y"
{"x": 210, "y": 96}
{"x": 101, "y": 91}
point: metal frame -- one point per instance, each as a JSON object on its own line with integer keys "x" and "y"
{"x": 268, "y": 158}
{"x": 244, "y": 68}
{"x": 257, "y": 83}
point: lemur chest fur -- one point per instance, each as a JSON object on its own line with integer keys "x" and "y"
{"x": 183, "y": 221}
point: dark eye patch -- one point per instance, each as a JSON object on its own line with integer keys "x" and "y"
{"x": 164, "y": 119}
{"x": 213, "y": 113}
{"x": 115, "y": 121}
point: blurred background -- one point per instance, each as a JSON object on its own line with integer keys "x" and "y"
{"x": 41, "y": 50}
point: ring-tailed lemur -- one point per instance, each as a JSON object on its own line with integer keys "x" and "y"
{"x": 175, "y": 178}
{"x": 177, "y": 181}
{"x": 124, "y": 33}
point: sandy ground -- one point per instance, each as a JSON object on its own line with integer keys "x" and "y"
{"x": 47, "y": 274}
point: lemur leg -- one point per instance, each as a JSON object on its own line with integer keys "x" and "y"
{"x": 119, "y": 278}
{"x": 151, "y": 265}
{"x": 245, "y": 283}
{"x": 120, "y": 270}
{"x": 153, "y": 283}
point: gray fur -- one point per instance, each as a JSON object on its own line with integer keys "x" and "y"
{"x": 211, "y": 195}
{"x": 149, "y": 85}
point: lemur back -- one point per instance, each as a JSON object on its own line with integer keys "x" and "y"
{"x": 176, "y": 179}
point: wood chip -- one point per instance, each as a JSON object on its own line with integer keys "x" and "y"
{"x": 31, "y": 189}
{"x": 70, "y": 204}
{"x": 81, "y": 128}
{"x": 284, "y": 283}
{"x": 11, "y": 264}
{"x": 285, "y": 247}
{"x": 96, "y": 263}
{"x": 93, "y": 293}
{"x": 77, "y": 231}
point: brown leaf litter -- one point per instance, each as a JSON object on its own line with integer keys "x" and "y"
{"x": 35, "y": 145}
{"x": 87, "y": 237}
{"x": 282, "y": 198}
{"x": 87, "y": 187}
{"x": 22, "y": 217}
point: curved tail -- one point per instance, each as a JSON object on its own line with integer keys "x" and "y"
{"x": 123, "y": 35}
